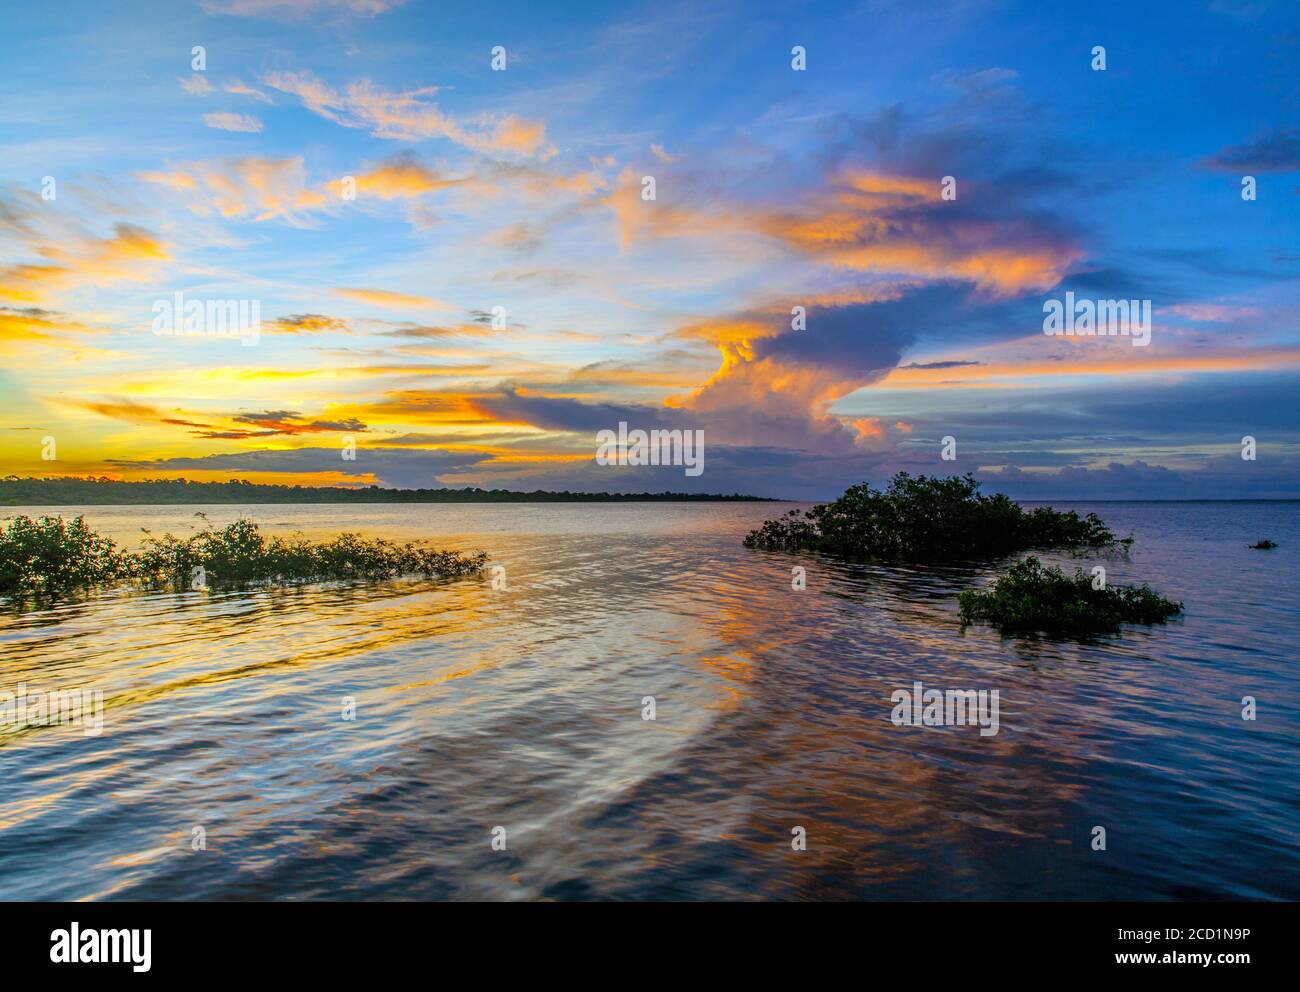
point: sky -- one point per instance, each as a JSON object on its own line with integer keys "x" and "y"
{"x": 860, "y": 212}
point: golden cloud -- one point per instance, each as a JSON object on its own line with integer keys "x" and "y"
{"x": 408, "y": 115}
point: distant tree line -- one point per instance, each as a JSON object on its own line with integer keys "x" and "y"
{"x": 91, "y": 492}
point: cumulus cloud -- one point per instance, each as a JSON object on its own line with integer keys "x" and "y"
{"x": 776, "y": 385}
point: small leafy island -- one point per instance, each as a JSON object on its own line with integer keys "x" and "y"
{"x": 1031, "y": 599}
{"x": 50, "y": 556}
{"x": 69, "y": 491}
{"x": 1263, "y": 544}
{"x": 924, "y": 519}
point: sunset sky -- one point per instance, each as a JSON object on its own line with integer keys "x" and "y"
{"x": 774, "y": 188}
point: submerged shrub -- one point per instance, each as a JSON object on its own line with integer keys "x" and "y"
{"x": 928, "y": 519}
{"x": 1263, "y": 544}
{"x": 239, "y": 554}
{"x": 1031, "y": 598}
{"x": 51, "y": 556}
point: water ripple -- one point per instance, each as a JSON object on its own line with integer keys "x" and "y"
{"x": 523, "y": 708}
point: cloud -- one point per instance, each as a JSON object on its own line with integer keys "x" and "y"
{"x": 635, "y": 218}
{"x": 1272, "y": 151}
{"x": 1218, "y": 313}
{"x": 276, "y": 422}
{"x": 233, "y": 122}
{"x": 929, "y": 366}
{"x": 197, "y": 85}
{"x": 299, "y": 323}
{"x": 1138, "y": 479}
{"x": 128, "y": 255}
{"x": 402, "y": 178}
{"x": 409, "y": 115}
{"x": 268, "y": 189}
{"x": 1035, "y": 358}
{"x": 552, "y": 413}
{"x": 887, "y": 219}
{"x": 403, "y": 468}
{"x": 260, "y": 188}
{"x": 391, "y": 300}
{"x": 298, "y": 10}
{"x": 238, "y": 426}
{"x": 429, "y": 332}
{"x": 240, "y": 89}
{"x": 128, "y": 410}
{"x": 534, "y": 181}
{"x": 898, "y": 224}
{"x": 21, "y": 326}
{"x": 776, "y": 386}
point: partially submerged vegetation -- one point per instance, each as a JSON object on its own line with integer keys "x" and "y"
{"x": 926, "y": 519}
{"x": 1033, "y": 599}
{"x": 1263, "y": 544}
{"x": 50, "y": 556}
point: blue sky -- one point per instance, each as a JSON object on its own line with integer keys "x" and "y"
{"x": 521, "y": 189}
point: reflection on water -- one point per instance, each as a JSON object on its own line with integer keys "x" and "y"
{"x": 523, "y": 708}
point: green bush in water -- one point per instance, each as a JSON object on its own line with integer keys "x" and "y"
{"x": 239, "y": 554}
{"x": 1030, "y": 598}
{"x": 50, "y": 556}
{"x": 924, "y": 519}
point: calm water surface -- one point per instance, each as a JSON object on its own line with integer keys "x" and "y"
{"x": 523, "y": 708}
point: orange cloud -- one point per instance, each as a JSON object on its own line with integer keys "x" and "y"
{"x": 125, "y": 256}
{"x": 390, "y": 300}
{"x": 423, "y": 407}
{"x": 305, "y": 323}
{"x": 260, "y": 188}
{"x": 409, "y": 115}
{"x": 401, "y": 179}
{"x": 34, "y": 324}
{"x": 635, "y": 217}
{"x": 225, "y": 427}
{"x": 897, "y": 224}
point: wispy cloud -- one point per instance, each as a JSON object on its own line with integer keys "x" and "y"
{"x": 298, "y": 10}
{"x": 391, "y": 300}
{"x": 233, "y": 122}
{"x": 1272, "y": 151}
{"x": 240, "y": 89}
{"x": 258, "y": 188}
{"x": 408, "y": 115}
{"x": 130, "y": 254}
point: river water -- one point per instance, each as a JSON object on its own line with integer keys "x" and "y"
{"x": 524, "y": 709}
